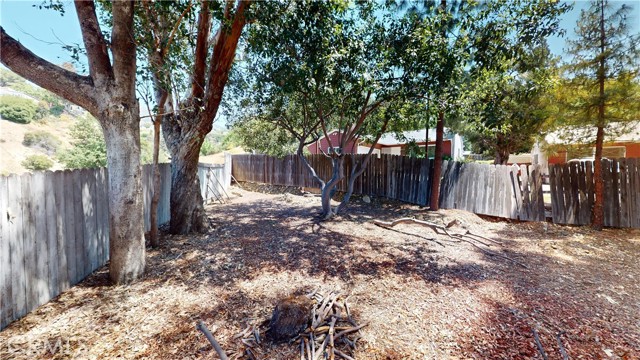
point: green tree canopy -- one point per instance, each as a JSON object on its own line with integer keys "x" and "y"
{"x": 602, "y": 79}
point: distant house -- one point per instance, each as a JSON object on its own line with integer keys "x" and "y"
{"x": 389, "y": 143}
{"x": 555, "y": 150}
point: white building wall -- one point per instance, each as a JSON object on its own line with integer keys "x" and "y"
{"x": 392, "y": 150}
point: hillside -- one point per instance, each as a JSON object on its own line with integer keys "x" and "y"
{"x": 12, "y": 150}
{"x": 38, "y": 113}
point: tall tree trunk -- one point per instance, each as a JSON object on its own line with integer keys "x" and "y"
{"x": 155, "y": 199}
{"x": 437, "y": 163}
{"x": 597, "y": 215}
{"x": 185, "y": 131}
{"x": 126, "y": 233}
{"x": 108, "y": 93}
{"x": 187, "y": 205}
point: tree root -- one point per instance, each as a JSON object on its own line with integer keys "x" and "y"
{"x": 467, "y": 236}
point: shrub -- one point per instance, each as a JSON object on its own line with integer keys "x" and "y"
{"x": 37, "y": 162}
{"x": 89, "y": 149}
{"x": 56, "y": 110}
{"x": 17, "y": 109}
{"x": 41, "y": 140}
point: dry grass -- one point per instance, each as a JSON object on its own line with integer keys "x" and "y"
{"x": 423, "y": 296}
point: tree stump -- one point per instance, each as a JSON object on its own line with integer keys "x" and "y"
{"x": 290, "y": 317}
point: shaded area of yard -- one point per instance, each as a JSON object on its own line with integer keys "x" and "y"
{"x": 423, "y": 295}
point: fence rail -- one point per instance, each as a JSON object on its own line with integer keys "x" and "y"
{"x": 54, "y": 229}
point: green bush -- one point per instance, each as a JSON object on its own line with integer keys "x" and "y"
{"x": 88, "y": 147}
{"x": 37, "y": 162}
{"x": 17, "y": 109}
{"x": 56, "y": 110}
{"x": 42, "y": 140}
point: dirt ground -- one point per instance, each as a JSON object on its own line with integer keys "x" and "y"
{"x": 424, "y": 295}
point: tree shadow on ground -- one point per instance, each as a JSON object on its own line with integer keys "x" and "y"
{"x": 267, "y": 235}
{"x": 570, "y": 292}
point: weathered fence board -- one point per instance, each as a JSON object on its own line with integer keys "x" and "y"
{"x": 483, "y": 189}
{"x": 573, "y": 192}
{"x": 54, "y": 229}
{"x": 6, "y": 294}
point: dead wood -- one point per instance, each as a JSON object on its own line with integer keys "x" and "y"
{"x": 325, "y": 335}
{"x": 202, "y": 327}
{"x": 563, "y": 352}
{"x": 343, "y": 355}
{"x": 539, "y": 344}
{"x": 467, "y": 236}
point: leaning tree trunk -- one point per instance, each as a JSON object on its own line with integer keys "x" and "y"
{"x": 187, "y": 205}
{"x": 126, "y": 233}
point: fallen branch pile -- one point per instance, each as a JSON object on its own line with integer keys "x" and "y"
{"x": 333, "y": 331}
{"x": 332, "y": 334}
{"x": 468, "y": 237}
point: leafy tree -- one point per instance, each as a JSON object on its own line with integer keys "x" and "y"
{"x": 37, "y": 162}
{"x": 263, "y": 137}
{"x": 189, "y": 104}
{"x": 88, "y": 149}
{"x": 18, "y": 109}
{"x": 471, "y": 38}
{"x": 108, "y": 93}
{"x": 503, "y": 112}
{"x": 604, "y": 53}
{"x": 320, "y": 66}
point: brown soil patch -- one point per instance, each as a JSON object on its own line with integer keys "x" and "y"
{"x": 423, "y": 296}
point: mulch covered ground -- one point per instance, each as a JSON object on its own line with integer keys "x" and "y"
{"x": 423, "y": 295}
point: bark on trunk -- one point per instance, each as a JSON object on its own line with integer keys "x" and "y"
{"x": 126, "y": 234}
{"x": 108, "y": 93}
{"x": 330, "y": 186}
{"x": 597, "y": 214}
{"x": 187, "y": 205}
{"x": 153, "y": 233}
{"x": 502, "y": 157}
{"x": 437, "y": 163}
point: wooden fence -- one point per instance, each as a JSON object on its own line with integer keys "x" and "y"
{"x": 391, "y": 176}
{"x": 573, "y": 192}
{"x": 54, "y": 230}
{"x": 504, "y": 191}
{"x": 498, "y": 190}
{"x": 214, "y": 180}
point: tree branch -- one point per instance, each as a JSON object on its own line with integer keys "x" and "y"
{"x": 66, "y": 84}
{"x": 199, "y": 68}
{"x": 94, "y": 42}
{"x": 224, "y": 52}
{"x": 123, "y": 46}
